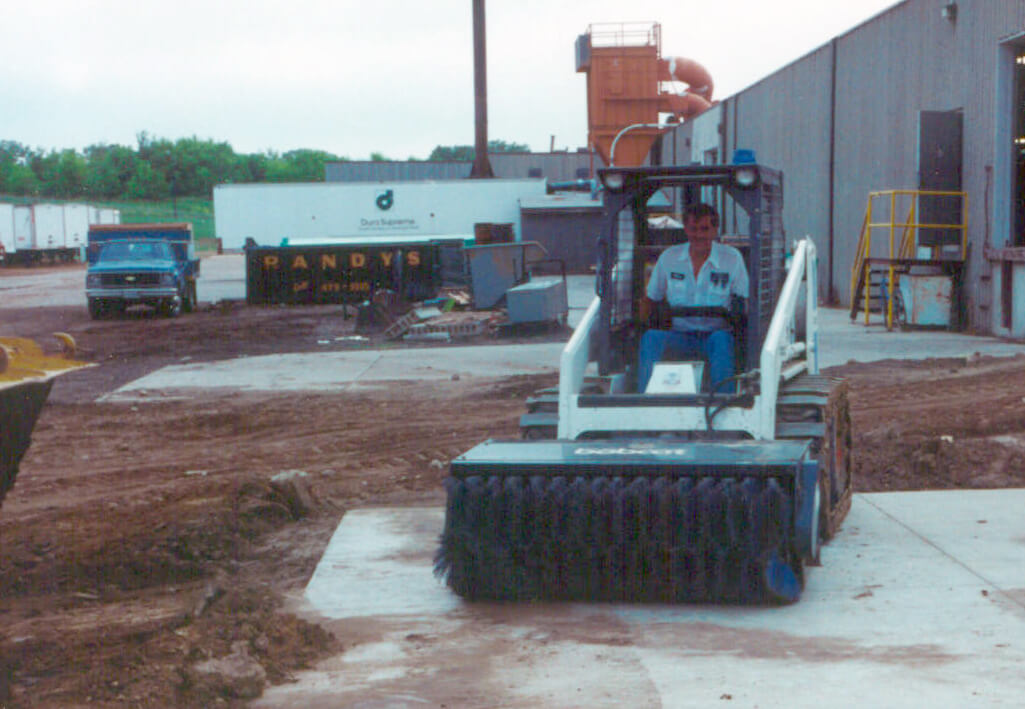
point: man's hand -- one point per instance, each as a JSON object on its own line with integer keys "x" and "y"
{"x": 654, "y": 315}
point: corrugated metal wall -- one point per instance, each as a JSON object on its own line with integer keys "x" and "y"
{"x": 395, "y": 170}
{"x": 907, "y": 60}
{"x": 786, "y": 119}
{"x": 570, "y": 235}
{"x": 898, "y": 63}
{"x": 554, "y": 166}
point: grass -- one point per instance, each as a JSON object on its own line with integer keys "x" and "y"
{"x": 198, "y": 210}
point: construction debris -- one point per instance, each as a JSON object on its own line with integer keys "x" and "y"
{"x": 465, "y": 324}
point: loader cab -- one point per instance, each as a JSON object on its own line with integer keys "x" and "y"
{"x": 644, "y": 209}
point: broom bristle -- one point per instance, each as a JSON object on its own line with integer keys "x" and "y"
{"x": 513, "y": 537}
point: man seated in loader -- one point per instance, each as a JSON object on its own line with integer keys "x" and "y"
{"x": 700, "y": 273}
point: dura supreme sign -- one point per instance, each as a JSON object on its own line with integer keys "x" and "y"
{"x": 340, "y": 274}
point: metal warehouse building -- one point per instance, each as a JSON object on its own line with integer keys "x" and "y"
{"x": 554, "y": 166}
{"x": 926, "y": 95}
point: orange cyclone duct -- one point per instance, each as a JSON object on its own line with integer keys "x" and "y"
{"x": 625, "y": 72}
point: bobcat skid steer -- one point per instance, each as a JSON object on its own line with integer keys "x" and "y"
{"x": 677, "y": 493}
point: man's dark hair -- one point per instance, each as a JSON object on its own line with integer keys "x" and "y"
{"x": 699, "y": 210}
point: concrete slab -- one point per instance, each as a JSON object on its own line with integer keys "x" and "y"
{"x": 332, "y": 371}
{"x": 841, "y": 341}
{"x": 920, "y": 602}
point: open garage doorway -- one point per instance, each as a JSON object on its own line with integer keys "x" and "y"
{"x": 1007, "y": 240}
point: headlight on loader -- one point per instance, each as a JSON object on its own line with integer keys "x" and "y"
{"x": 746, "y": 177}
{"x": 613, "y": 181}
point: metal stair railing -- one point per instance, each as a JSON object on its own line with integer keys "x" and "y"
{"x": 858, "y": 274}
{"x": 899, "y": 256}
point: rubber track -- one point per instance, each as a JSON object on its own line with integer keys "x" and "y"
{"x": 835, "y": 451}
{"x": 614, "y": 539}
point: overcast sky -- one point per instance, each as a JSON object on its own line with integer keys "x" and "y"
{"x": 356, "y": 76}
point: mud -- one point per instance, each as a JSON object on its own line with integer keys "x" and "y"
{"x": 143, "y": 540}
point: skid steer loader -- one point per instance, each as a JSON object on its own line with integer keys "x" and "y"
{"x": 676, "y": 493}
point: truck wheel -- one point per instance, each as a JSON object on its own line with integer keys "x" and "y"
{"x": 97, "y": 309}
{"x": 189, "y": 300}
{"x": 171, "y": 308}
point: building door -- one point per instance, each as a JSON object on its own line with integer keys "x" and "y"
{"x": 1018, "y": 158}
{"x": 939, "y": 168}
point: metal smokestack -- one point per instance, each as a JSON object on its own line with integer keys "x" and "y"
{"x": 481, "y": 164}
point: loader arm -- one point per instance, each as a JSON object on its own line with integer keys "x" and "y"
{"x": 784, "y": 356}
{"x": 573, "y": 366}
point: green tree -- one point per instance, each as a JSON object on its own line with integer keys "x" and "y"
{"x": 302, "y": 165}
{"x": 16, "y": 176}
{"x": 146, "y": 183}
{"x": 468, "y": 152}
{"x": 197, "y": 165}
{"x": 69, "y": 177}
{"x": 44, "y": 167}
{"x": 18, "y": 179}
{"x": 109, "y": 169}
{"x": 447, "y": 153}
{"x": 60, "y": 174}
{"x": 500, "y": 146}
{"x": 12, "y": 151}
{"x": 250, "y": 168}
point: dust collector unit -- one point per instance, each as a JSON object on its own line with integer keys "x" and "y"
{"x": 625, "y": 77}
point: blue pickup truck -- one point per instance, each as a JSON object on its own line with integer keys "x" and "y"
{"x": 141, "y": 264}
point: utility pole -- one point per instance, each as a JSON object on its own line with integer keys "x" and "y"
{"x": 481, "y": 164}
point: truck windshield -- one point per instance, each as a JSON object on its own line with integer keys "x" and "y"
{"x": 136, "y": 251}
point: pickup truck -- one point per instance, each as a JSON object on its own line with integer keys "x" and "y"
{"x": 141, "y": 264}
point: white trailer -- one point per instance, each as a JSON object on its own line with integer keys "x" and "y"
{"x": 104, "y": 215}
{"x": 6, "y": 230}
{"x": 306, "y": 213}
{"x": 48, "y": 221}
{"x": 24, "y": 238}
{"x": 76, "y": 225}
{"x": 33, "y": 233}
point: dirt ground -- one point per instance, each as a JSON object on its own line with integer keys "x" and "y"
{"x": 146, "y": 548}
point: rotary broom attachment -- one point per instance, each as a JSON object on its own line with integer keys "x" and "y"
{"x": 662, "y": 522}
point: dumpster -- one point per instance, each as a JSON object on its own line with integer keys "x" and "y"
{"x": 926, "y": 299}
{"x": 341, "y": 273}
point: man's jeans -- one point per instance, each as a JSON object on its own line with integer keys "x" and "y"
{"x": 716, "y": 346}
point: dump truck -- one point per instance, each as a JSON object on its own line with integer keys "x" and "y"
{"x": 679, "y": 492}
{"x": 26, "y": 377}
{"x": 141, "y": 264}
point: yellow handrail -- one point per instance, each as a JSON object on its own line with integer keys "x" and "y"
{"x": 859, "y": 255}
{"x": 908, "y": 241}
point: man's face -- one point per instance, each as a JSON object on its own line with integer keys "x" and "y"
{"x": 700, "y": 231}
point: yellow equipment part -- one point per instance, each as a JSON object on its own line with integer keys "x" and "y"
{"x": 26, "y": 376}
{"x": 22, "y": 359}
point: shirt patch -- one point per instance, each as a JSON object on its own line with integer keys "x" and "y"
{"x": 720, "y": 278}
{"x": 678, "y": 276}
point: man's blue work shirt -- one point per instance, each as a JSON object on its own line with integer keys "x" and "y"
{"x": 723, "y": 274}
